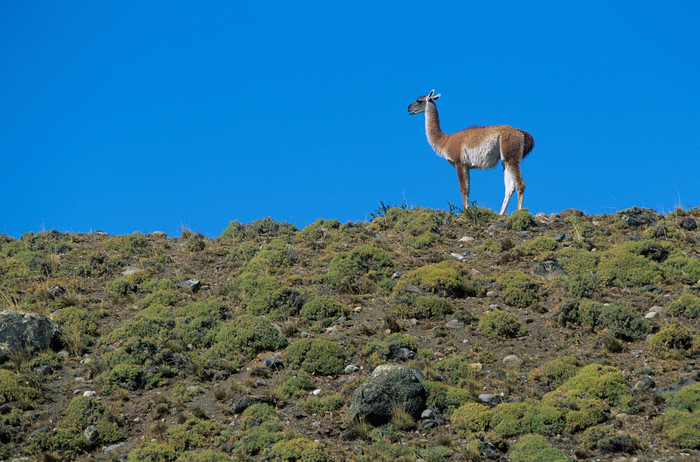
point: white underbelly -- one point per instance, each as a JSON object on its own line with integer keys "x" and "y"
{"x": 485, "y": 155}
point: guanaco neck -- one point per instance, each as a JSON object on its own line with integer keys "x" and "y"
{"x": 435, "y": 135}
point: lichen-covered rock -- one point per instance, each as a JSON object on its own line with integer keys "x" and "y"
{"x": 390, "y": 385}
{"x": 30, "y": 332}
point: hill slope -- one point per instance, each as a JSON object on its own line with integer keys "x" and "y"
{"x": 563, "y": 336}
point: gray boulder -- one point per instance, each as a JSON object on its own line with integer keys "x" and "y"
{"x": 548, "y": 269}
{"x": 31, "y": 332}
{"x": 389, "y": 385}
{"x": 687, "y": 223}
{"x": 570, "y": 213}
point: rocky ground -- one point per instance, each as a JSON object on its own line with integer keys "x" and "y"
{"x": 547, "y": 337}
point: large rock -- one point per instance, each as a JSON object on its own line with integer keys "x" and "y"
{"x": 637, "y": 216}
{"x": 29, "y": 332}
{"x": 389, "y": 385}
{"x": 548, "y": 269}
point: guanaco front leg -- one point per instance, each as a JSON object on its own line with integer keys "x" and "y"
{"x": 463, "y": 175}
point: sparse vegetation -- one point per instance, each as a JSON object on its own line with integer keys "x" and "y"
{"x": 259, "y": 358}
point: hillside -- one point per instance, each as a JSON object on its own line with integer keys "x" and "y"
{"x": 559, "y": 337}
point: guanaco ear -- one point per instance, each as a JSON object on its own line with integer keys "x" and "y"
{"x": 436, "y": 96}
{"x": 430, "y": 95}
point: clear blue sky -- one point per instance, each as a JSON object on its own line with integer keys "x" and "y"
{"x": 149, "y": 116}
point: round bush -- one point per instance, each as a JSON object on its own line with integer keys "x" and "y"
{"x": 501, "y": 325}
{"x": 316, "y": 356}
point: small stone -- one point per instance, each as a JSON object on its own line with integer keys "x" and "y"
{"x": 306, "y": 335}
{"x": 44, "y": 369}
{"x": 457, "y": 256}
{"x": 494, "y": 306}
{"x": 89, "y": 393}
{"x": 274, "y": 364}
{"x": 316, "y": 392}
{"x": 512, "y": 361}
{"x": 56, "y": 291}
{"x": 570, "y": 213}
{"x": 644, "y": 384}
{"x": 192, "y": 285}
{"x": 351, "y": 368}
{"x": 486, "y": 397}
{"x": 559, "y": 237}
{"x": 476, "y": 366}
{"x": 687, "y": 223}
{"x": 427, "y": 414}
{"x": 331, "y": 330}
{"x": 91, "y": 435}
{"x": 113, "y": 447}
{"x": 522, "y": 234}
{"x": 357, "y": 309}
{"x": 192, "y": 388}
{"x": 396, "y": 275}
{"x": 137, "y": 419}
{"x": 548, "y": 269}
{"x": 651, "y": 315}
{"x": 466, "y": 239}
{"x": 492, "y": 294}
{"x": 159, "y": 234}
{"x": 621, "y": 415}
{"x": 130, "y": 270}
{"x": 528, "y": 320}
{"x": 455, "y": 324}
{"x": 260, "y": 383}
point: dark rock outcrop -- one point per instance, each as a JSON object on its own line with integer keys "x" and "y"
{"x": 389, "y": 385}
{"x": 30, "y": 332}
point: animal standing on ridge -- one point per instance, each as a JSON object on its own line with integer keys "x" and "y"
{"x": 477, "y": 147}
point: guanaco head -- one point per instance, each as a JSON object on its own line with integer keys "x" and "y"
{"x": 419, "y": 105}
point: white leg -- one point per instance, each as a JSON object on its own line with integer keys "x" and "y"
{"x": 509, "y": 180}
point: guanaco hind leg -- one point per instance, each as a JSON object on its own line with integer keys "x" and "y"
{"x": 513, "y": 180}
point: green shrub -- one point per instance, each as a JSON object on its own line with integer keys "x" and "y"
{"x": 191, "y": 434}
{"x": 359, "y": 270}
{"x": 535, "y": 448}
{"x": 445, "y": 397}
{"x": 575, "y": 261}
{"x": 686, "y": 399}
{"x": 277, "y": 303}
{"x": 538, "y": 245}
{"x": 12, "y": 388}
{"x": 682, "y": 268}
{"x": 257, "y": 413}
{"x": 243, "y": 252}
{"x": 620, "y": 267}
{"x": 382, "y": 348}
{"x": 597, "y": 381}
{"x": 459, "y": 370}
{"x": 324, "y": 404}
{"x": 120, "y": 287}
{"x": 81, "y": 413}
{"x": 316, "y": 356}
{"x": 296, "y": 384}
{"x": 261, "y": 228}
{"x": 687, "y": 306}
{"x": 623, "y": 322}
{"x": 321, "y": 229}
{"x": 255, "y": 438}
{"x": 519, "y": 289}
{"x": 478, "y": 215}
{"x": 272, "y": 258}
{"x": 127, "y": 376}
{"x": 672, "y": 337}
{"x": 152, "y": 452}
{"x": 517, "y": 418}
{"x": 682, "y": 428}
{"x": 446, "y": 279}
{"x": 471, "y": 416}
{"x": 299, "y": 450}
{"x": 500, "y": 324}
{"x": 249, "y": 335}
{"x": 609, "y": 440}
{"x": 422, "y": 307}
{"x": 495, "y": 245}
{"x": 321, "y": 310}
{"x": 557, "y": 371}
{"x": 577, "y": 408}
{"x": 520, "y": 220}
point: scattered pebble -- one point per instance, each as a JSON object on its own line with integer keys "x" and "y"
{"x": 466, "y": 239}
{"x": 89, "y": 393}
{"x": 651, "y": 315}
{"x": 351, "y": 368}
{"x": 455, "y": 324}
{"x": 492, "y": 294}
{"x": 457, "y": 256}
{"x": 316, "y": 392}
